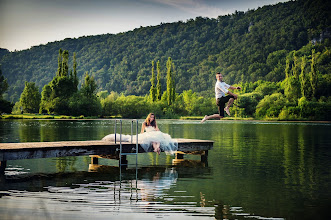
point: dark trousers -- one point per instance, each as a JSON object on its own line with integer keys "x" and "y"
{"x": 220, "y": 102}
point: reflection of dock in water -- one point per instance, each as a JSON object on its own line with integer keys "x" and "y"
{"x": 34, "y": 150}
{"x": 37, "y": 181}
{"x": 103, "y": 191}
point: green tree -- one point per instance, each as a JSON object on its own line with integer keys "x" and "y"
{"x": 59, "y": 63}
{"x": 169, "y": 82}
{"x": 292, "y": 84}
{"x": 56, "y": 94}
{"x": 173, "y": 84}
{"x": 85, "y": 102}
{"x": 89, "y": 87}
{"x": 46, "y": 100}
{"x": 270, "y": 105}
{"x": 3, "y": 84}
{"x": 158, "y": 78}
{"x": 152, "y": 91}
{"x": 75, "y": 77}
{"x": 303, "y": 77}
{"x": 65, "y": 66}
{"x": 313, "y": 75}
{"x": 30, "y": 98}
{"x": 5, "y": 106}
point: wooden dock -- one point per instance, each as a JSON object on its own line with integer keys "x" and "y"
{"x": 33, "y": 150}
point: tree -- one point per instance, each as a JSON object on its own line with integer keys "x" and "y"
{"x": 30, "y": 98}
{"x": 270, "y": 105}
{"x": 65, "y": 60}
{"x": 169, "y": 82}
{"x": 59, "y": 63}
{"x": 46, "y": 99}
{"x": 3, "y": 84}
{"x": 75, "y": 77}
{"x": 303, "y": 77}
{"x": 56, "y": 94}
{"x": 158, "y": 78}
{"x": 173, "y": 84}
{"x": 89, "y": 87}
{"x": 292, "y": 85}
{"x": 5, "y": 106}
{"x": 152, "y": 91}
{"x": 85, "y": 102}
{"x": 313, "y": 75}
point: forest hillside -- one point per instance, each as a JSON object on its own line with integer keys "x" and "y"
{"x": 244, "y": 46}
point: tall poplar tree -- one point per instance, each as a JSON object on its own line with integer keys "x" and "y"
{"x": 173, "y": 84}
{"x": 56, "y": 94}
{"x": 313, "y": 74}
{"x": 169, "y": 81}
{"x": 152, "y": 90}
{"x": 59, "y": 63}
{"x": 65, "y": 66}
{"x": 158, "y": 78}
{"x": 75, "y": 77}
{"x": 303, "y": 77}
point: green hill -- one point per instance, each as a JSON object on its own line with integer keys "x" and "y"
{"x": 245, "y": 46}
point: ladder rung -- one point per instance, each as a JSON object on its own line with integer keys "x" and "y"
{"x": 129, "y": 154}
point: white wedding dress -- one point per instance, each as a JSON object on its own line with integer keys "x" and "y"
{"x": 167, "y": 144}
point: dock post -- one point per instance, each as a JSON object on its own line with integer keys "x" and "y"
{"x": 123, "y": 160}
{"x": 94, "y": 159}
{"x": 3, "y": 165}
{"x": 204, "y": 156}
{"x": 180, "y": 155}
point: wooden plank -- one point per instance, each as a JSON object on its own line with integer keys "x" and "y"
{"x": 32, "y": 150}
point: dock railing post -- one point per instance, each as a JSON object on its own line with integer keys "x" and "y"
{"x": 115, "y": 129}
{"x": 131, "y": 131}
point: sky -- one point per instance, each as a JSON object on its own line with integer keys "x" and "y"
{"x": 27, "y": 23}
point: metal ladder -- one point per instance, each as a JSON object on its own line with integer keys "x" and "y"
{"x": 125, "y": 154}
{"x": 121, "y": 147}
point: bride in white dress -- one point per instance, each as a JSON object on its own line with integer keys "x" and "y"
{"x": 151, "y": 136}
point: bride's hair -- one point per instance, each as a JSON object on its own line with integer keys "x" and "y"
{"x": 147, "y": 121}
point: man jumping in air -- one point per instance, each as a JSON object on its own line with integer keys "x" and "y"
{"x": 221, "y": 88}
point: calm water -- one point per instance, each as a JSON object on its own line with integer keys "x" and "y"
{"x": 256, "y": 170}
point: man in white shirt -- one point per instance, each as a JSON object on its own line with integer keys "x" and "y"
{"x": 221, "y": 88}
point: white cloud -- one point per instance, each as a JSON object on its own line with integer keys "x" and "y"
{"x": 196, "y": 7}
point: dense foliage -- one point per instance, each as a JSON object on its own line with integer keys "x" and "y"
{"x": 30, "y": 98}
{"x": 279, "y": 54}
{"x": 5, "y": 106}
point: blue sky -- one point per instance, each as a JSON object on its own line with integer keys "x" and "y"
{"x": 26, "y": 23}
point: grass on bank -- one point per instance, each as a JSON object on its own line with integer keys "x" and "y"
{"x": 201, "y": 117}
{"x": 42, "y": 116}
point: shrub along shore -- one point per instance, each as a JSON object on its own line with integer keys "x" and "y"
{"x": 82, "y": 117}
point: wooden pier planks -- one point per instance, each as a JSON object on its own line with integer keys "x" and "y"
{"x": 32, "y": 150}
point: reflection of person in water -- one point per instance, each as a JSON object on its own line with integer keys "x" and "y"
{"x": 150, "y": 136}
{"x": 152, "y": 189}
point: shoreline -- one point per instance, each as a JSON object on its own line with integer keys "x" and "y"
{"x": 184, "y": 118}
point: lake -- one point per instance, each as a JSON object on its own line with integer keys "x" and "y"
{"x": 256, "y": 170}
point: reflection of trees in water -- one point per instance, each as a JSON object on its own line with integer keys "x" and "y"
{"x": 65, "y": 163}
{"x": 28, "y": 130}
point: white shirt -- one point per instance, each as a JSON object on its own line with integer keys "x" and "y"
{"x": 221, "y": 88}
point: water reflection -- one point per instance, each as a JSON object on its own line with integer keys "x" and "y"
{"x": 153, "y": 192}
